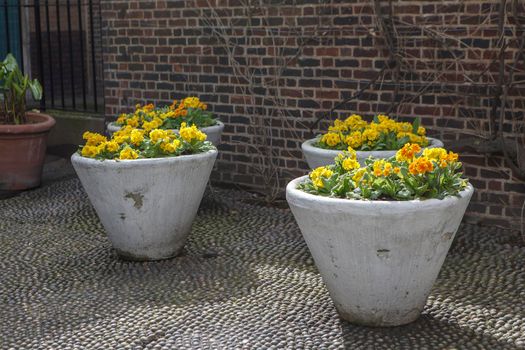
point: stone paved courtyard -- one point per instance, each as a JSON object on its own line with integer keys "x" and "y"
{"x": 245, "y": 281}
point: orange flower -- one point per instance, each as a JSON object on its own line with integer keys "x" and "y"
{"x": 408, "y": 152}
{"x": 420, "y": 165}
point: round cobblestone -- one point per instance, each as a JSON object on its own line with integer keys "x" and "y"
{"x": 245, "y": 281}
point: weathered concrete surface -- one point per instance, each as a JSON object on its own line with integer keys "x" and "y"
{"x": 146, "y": 206}
{"x": 246, "y": 281}
{"x": 378, "y": 259}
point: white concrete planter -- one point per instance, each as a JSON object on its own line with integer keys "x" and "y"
{"x": 316, "y": 157}
{"x": 213, "y": 132}
{"x": 147, "y": 206}
{"x": 379, "y": 259}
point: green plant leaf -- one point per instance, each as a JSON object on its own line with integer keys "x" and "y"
{"x": 36, "y": 89}
{"x": 415, "y": 125}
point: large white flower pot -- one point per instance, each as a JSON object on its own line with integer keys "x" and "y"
{"x": 379, "y": 259}
{"x": 213, "y": 132}
{"x": 316, "y": 157}
{"x": 147, "y": 206}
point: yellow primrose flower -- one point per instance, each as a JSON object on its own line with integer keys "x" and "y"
{"x": 436, "y": 153}
{"x": 93, "y": 139}
{"x": 370, "y": 134}
{"x": 359, "y": 174}
{"x": 191, "y": 133}
{"x": 124, "y": 131}
{"x": 112, "y": 146}
{"x": 128, "y": 153}
{"x": 355, "y": 121}
{"x": 382, "y": 168}
{"x": 354, "y": 140}
{"x": 320, "y": 173}
{"x": 133, "y": 122}
{"x": 136, "y": 137}
{"x": 90, "y": 151}
{"x": 339, "y": 126}
{"x": 350, "y": 164}
{"x": 331, "y": 139}
{"x": 170, "y": 147}
{"x": 121, "y": 119}
{"x": 158, "y": 135}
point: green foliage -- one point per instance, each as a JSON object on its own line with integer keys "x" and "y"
{"x": 435, "y": 174}
{"x": 13, "y": 88}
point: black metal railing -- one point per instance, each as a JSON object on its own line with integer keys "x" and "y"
{"x": 59, "y": 43}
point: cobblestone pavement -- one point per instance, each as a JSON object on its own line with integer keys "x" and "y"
{"x": 246, "y": 281}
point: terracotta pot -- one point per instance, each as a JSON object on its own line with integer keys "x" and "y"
{"x": 22, "y": 152}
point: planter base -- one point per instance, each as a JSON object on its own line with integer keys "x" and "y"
{"x": 138, "y": 258}
{"x": 381, "y": 320}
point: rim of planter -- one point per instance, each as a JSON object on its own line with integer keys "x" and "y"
{"x": 292, "y": 192}
{"x": 40, "y": 123}
{"x": 130, "y": 163}
{"x": 114, "y": 127}
{"x": 308, "y": 145}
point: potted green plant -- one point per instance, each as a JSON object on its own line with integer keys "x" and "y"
{"x": 380, "y": 138}
{"x": 23, "y": 134}
{"x": 189, "y": 110}
{"x": 146, "y": 187}
{"x": 379, "y": 233}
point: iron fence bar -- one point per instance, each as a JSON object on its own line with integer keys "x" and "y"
{"x": 6, "y": 15}
{"x": 81, "y": 32}
{"x": 93, "y": 55}
{"x": 21, "y": 41}
{"x": 50, "y": 56}
{"x": 72, "y": 74}
{"x": 60, "y": 56}
{"x": 100, "y": 37}
{"x": 38, "y": 30}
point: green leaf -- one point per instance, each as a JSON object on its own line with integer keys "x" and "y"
{"x": 416, "y": 125}
{"x": 36, "y": 89}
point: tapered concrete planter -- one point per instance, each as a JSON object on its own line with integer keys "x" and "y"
{"x": 213, "y": 132}
{"x": 379, "y": 259}
{"x": 147, "y": 206}
{"x": 316, "y": 157}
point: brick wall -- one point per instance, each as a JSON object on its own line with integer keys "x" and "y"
{"x": 270, "y": 71}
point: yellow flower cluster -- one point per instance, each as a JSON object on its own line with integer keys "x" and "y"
{"x": 190, "y": 110}
{"x": 348, "y": 160}
{"x": 131, "y": 143}
{"x": 320, "y": 173}
{"x": 191, "y": 133}
{"x": 381, "y": 134}
{"x": 383, "y": 168}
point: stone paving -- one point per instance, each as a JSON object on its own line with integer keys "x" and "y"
{"x": 245, "y": 281}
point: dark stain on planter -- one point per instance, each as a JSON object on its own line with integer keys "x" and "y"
{"x": 383, "y": 253}
{"x": 447, "y": 236}
{"x": 136, "y": 197}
